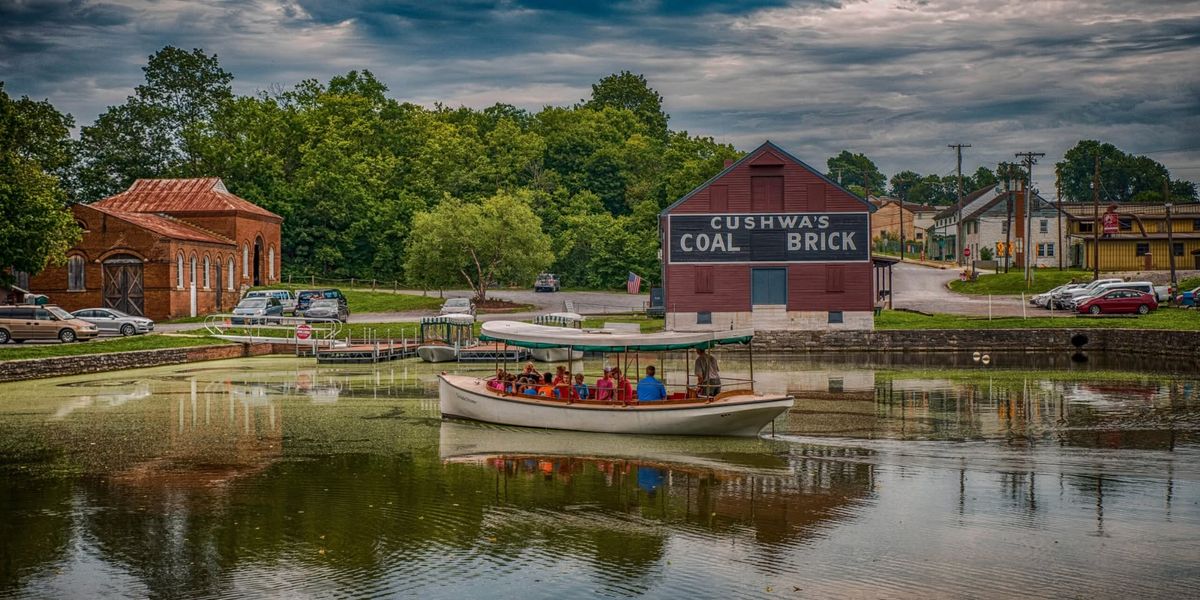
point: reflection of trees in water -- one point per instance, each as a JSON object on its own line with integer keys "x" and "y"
{"x": 35, "y": 530}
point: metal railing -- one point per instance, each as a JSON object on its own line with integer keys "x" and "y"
{"x": 273, "y": 328}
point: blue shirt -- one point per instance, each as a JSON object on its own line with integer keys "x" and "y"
{"x": 650, "y": 389}
{"x": 581, "y": 391}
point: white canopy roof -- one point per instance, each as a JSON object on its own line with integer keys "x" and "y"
{"x": 606, "y": 340}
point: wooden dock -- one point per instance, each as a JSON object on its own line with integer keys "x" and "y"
{"x": 374, "y": 352}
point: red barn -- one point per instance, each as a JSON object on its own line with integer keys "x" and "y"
{"x": 166, "y": 248}
{"x": 768, "y": 243}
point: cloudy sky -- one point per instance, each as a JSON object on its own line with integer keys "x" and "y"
{"x": 896, "y": 79}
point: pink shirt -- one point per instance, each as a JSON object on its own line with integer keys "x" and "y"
{"x": 604, "y": 387}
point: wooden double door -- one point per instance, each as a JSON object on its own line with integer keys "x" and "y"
{"x": 124, "y": 285}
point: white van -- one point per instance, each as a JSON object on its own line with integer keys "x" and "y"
{"x": 285, "y": 297}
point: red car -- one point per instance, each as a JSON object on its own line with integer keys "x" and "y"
{"x": 1119, "y": 301}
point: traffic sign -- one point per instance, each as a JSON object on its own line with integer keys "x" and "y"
{"x": 303, "y": 331}
{"x": 966, "y": 252}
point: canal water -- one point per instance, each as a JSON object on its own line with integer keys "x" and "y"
{"x": 890, "y": 478}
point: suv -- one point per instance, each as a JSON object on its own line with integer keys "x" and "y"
{"x": 305, "y": 297}
{"x": 33, "y": 322}
{"x": 546, "y": 282}
{"x": 285, "y": 297}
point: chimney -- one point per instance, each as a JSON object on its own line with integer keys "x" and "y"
{"x": 728, "y": 163}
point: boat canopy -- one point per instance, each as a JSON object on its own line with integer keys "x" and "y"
{"x": 528, "y": 335}
{"x": 453, "y": 319}
{"x": 563, "y": 319}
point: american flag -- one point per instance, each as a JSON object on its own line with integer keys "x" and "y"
{"x": 633, "y": 283}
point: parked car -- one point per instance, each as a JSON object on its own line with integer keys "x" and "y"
{"x": 1119, "y": 301}
{"x": 1065, "y": 298}
{"x": 327, "y": 308}
{"x": 1043, "y": 300}
{"x": 458, "y": 306}
{"x": 249, "y": 308}
{"x": 286, "y": 298}
{"x": 114, "y": 322}
{"x": 1141, "y": 286}
{"x": 546, "y": 282}
{"x": 304, "y": 297}
{"x": 22, "y": 322}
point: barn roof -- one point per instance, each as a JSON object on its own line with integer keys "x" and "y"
{"x": 166, "y": 196}
{"x": 767, "y": 148}
{"x": 163, "y": 225}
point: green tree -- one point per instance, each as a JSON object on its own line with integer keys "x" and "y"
{"x": 146, "y": 136}
{"x": 628, "y": 91}
{"x": 498, "y": 240}
{"x": 854, "y": 169}
{"x": 35, "y": 226}
{"x": 1123, "y": 177}
{"x": 903, "y": 183}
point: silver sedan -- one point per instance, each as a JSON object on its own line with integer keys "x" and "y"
{"x": 111, "y": 321}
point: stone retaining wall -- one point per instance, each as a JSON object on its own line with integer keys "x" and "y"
{"x": 37, "y": 368}
{"x": 1135, "y": 341}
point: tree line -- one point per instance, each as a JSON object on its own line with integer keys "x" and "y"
{"x": 372, "y": 187}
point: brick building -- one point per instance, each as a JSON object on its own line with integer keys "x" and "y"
{"x": 166, "y": 248}
{"x": 768, "y": 243}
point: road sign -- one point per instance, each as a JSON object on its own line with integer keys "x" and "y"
{"x": 966, "y": 252}
{"x": 1112, "y": 223}
{"x": 303, "y": 331}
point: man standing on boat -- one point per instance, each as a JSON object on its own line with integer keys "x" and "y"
{"x": 650, "y": 389}
{"x": 708, "y": 374}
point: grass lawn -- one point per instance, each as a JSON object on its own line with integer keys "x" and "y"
{"x": 104, "y": 345}
{"x": 362, "y": 301}
{"x": 648, "y": 324}
{"x": 1167, "y": 318}
{"x": 1013, "y": 282}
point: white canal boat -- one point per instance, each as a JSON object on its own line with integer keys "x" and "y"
{"x": 737, "y": 411}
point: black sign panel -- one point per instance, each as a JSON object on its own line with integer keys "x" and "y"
{"x": 777, "y": 237}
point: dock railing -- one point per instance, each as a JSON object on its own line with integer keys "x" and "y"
{"x": 321, "y": 332}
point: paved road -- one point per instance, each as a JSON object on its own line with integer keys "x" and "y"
{"x": 924, "y": 289}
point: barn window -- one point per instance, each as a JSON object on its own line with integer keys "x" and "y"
{"x": 704, "y": 280}
{"x": 179, "y": 271}
{"x": 245, "y": 260}
{"x": 230, "y": 275}
{"x": 207, "y": 277}
{"x": 75, "y": 265}
{"x": 271, "y": 263}
{"x": 1143, "y": 248}
{"x": 1178, "y": 248}
{"x": 766, "y": 192}
{"x": 835, "y": 317}
{"x": 704, "y": 318}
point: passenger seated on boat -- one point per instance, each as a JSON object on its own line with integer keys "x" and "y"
{"x": 580, "y": 390}
{"x": 561, "y": 375}
{"x": 547, "y": 388}
{"x": 529, "y": 370}
{"x": 650, "y": 389}
{"x": 604, "y": 386}
{"x": 624, "y": 389}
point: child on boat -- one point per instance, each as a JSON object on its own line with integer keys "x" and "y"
{"x": 547, "y": 387}
{"x": 580, "y": 390}
{"x": 604, "y": 386}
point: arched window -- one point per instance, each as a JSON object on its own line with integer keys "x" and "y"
{"x": 192, "y": 272}
{"x": 245, "y": 260}
{"x": 230, "y": 275}
{"x": 271, "y": 263}
{"x": 207, "y": 268}
{"x": 179, "y": 271}
{"x": 75, "y": 265}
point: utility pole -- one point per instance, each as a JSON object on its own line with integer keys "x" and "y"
{"x": 1096, "y": 216}
{"x": 1030, "y": 160}
{"x": 958, "y": 237}
{"x": 902, "y": 224}
{"x": 1170, "y": 232}
{"x": 1058, "y": 249}
{"x": 1008, "y": 224}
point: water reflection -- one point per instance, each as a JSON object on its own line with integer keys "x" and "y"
{"x": 274, "y": 477}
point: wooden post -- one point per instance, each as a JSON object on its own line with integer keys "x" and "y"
{"x": 1170, "y": 233}
{"x": 372, "y": 285}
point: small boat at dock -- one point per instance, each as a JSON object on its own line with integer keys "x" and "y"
{"x": 560, "y": 319}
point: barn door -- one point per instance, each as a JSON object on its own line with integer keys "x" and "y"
{"x": 123, "y": 285}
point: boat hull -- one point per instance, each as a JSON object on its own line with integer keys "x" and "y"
{"x": 468, "y": 398}
{"x": 555, "y": 354}
{"x": 437, "y": 354}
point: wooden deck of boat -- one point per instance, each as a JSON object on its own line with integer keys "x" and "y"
{"x": 368, "y": 353}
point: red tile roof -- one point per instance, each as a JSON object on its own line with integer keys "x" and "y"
{"x": 163, "y": 225}
{"x": 181, "y": 196}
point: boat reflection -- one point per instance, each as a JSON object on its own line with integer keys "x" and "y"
{"x": 782, "y": 492}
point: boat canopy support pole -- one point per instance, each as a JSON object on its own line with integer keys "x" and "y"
{"x": 751, "y": 345}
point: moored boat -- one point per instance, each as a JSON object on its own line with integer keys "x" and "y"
{"x": 738, "y": 410}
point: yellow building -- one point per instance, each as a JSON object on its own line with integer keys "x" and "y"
{"x": 1142, "y": 239}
